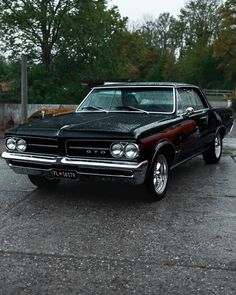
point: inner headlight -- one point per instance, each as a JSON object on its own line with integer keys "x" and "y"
{"x": 117, "y": 150}
{"x": 131, "y": 150}
{"x": 11, "y": 144}
{"x": 21, "y": 145}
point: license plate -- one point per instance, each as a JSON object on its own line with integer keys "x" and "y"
{"x": 64, "y": 174}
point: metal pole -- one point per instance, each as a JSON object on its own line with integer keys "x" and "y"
{"x": 24, "y": 89}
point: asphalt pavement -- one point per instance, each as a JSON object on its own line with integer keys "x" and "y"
{"x": 90, "y": 238}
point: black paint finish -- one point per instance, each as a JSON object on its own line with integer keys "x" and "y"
{"x": 185, "y": 135}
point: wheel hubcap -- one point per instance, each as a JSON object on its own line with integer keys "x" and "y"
{"x": 160, "y": 174}
{"x": 218, "y": 145}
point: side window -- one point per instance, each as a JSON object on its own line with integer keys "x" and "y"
{"x": 189, "y": 98}
{"x": 180, "y": 108}
{"x": 185, "y": 100}
{"x": 198, "y": 100}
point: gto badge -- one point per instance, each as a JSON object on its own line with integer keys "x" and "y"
{"x": 96, "y": 152}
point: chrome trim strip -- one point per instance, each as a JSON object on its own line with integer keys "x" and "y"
{"x": 42, "y": 145}
{"x": 73, "y": 161}
{"x": 47, "y": 172}
{"x": 187, "y": 159}
{"x": 127, "y": 112}
{"x": 88, "y": 148}
{"x": 28, "y": 168}
{"x": 105, "y": 175}
{"x": 111, "y": 165}
{"x": 133, "y": 86}
{"x": 100, "y": 140}
{"x": 26, "y": 157}
{"x": 77, "y": 172}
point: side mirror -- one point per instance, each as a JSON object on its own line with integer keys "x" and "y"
{"x": 189, "y": 111}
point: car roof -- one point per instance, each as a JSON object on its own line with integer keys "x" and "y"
{"x": 149, "y": 84}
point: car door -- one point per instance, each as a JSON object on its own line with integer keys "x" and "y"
{"x": 193, "y": 139}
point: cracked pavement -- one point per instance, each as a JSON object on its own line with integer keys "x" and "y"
{"x": 106, "y": 239}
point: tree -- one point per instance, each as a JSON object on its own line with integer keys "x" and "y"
{"x": 195, "y": 31}
{"x": 33, "y": 26}
{"x": 92, "y": 45}
{"x": 160, "y": 38}
{"x": 225, "y": 45}
{"x": 198, "y": 22}
{"x": 65, "y": 40}
{"x": 157, "y": 34}
{"x": 199, "y": 66}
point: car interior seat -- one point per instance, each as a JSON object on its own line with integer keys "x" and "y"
{"x": 130, "y": 100}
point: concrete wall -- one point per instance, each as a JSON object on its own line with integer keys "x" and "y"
{"x": 9, "y": 112}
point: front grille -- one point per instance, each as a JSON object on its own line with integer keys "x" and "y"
{"x": 38, "y": 145}
{"x": 88, "y": 149}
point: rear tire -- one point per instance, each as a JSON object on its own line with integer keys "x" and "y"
{"x": 43, "y": 182}
{"x": 213, "y": 154}
{"x": 158, "y": 178}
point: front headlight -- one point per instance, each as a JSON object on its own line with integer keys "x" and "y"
{"x": 131, "y": 150}
{"x": 117, "y": 150}
{"x": 21, "y": 145}
{"x": 11, "y": 144}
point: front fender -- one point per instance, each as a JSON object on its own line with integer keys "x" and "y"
{"x": 168, "y": 148}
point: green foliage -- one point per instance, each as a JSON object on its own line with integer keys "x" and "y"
{"x": 199, "y": 66}
{"x": 33, "y": 27}
{"x": 67, "y": 41}
{"x": 3, "y": 69}
{"x": 225, "y": 44}
{"x": 158, "y": 70}
{"x": 199, "y": 21}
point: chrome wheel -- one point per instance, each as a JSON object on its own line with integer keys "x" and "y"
{"x": 218, "y": 146}
{"x": 160, "y": 174}
{"x": 213, "y": 154}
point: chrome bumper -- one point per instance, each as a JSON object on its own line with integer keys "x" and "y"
{"x": 109, "y": 170}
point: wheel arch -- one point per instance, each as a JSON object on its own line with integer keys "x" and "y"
{"x": 221, "y": 130}
{"x": 167, "y": 148}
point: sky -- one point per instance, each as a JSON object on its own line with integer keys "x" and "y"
{"x": 137, "y": 9}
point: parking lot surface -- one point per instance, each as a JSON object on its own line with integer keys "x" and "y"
{"x": 90, "y": 238}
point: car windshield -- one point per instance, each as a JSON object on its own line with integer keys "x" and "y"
{"x": 135, "y": 99}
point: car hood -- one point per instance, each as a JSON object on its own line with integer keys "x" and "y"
{"x": 92, "y": 124}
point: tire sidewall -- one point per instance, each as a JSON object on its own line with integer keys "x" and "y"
{"x": 221, "y": 146}
{"x": 154, "y": 195}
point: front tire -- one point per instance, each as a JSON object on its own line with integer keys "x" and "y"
{"x": 158, "y": 178}
{"x": 43, "y": 182}
{"x": 213, "y": 154}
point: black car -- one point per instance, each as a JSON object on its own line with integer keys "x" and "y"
{"x": 127, "y": 132}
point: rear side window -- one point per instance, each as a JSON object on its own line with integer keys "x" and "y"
{"x": 189, "y": 98}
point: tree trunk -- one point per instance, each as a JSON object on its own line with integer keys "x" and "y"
{"x": 47, "y": 57}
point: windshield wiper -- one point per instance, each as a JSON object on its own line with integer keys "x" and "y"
{"x": 94, "y": 108}
{"x": 132, "y": 109}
